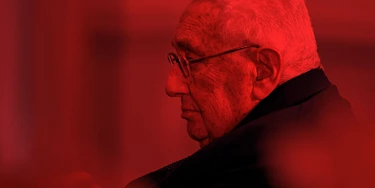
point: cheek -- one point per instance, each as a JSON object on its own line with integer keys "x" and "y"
{"x": 239, "y": 86}
{"x": 217, "y": 114}
{"x": 207, "y": 80}
{"x": 207, "y": 88}
{"x": 216, "y": 109}
{"x": 222, "y": 86}
{"x": 224, "y": 97}
{"x": 211, "y": 102}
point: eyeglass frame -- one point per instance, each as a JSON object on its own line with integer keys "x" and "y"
{"x": 187, "y": 73}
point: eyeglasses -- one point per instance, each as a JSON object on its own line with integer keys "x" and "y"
{"x": 183, "y": 63}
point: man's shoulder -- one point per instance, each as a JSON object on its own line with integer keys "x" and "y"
{"x": 324, "y": 108}
{"x": 328, "y": 109}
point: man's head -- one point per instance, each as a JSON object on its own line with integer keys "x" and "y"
{"x": 220, "y": 91}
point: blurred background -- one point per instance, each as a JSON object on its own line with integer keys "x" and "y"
{"x": 82, "y": 84}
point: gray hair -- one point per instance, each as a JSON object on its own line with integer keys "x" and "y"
{"x": 283, "y": 25}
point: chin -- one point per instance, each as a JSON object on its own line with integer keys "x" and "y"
{"x": 196, "y": 130}
{"x": 204, "y": 142}
{"x": 201, "y": 137}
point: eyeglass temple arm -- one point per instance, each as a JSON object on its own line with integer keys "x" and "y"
{"x": 223, "y": 53}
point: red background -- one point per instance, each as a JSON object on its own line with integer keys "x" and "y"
{"x": 82, "y": 83}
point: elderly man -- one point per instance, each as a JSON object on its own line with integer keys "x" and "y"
{"x": 255, "y": 97}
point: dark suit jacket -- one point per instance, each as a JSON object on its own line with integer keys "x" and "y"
{"x": 293, "y": 138}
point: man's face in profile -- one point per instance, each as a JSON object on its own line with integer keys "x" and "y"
{"x": 216, "y": 95}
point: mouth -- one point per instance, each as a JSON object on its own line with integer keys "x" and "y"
{"x": 189, "y": 109}
{"x": 188, "y": 113}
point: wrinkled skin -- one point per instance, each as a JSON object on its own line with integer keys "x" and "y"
{"x": 219, "y": 93}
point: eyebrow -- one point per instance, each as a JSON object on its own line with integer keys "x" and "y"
{"x": 184, "y": 45}
{"x": 181, "y": 44}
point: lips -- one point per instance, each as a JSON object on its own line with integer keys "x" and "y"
{"x": 189, "y": 109}
{"x": 187, "y": 113}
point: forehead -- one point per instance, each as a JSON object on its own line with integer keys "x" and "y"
{"x": 196, "y": 23}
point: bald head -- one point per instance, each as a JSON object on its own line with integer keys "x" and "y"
{"x": 283, "y": 25}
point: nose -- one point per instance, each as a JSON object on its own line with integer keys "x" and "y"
{"x": 176, "y": 83}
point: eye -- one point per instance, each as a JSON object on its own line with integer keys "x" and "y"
{"x": 190, "y": 55}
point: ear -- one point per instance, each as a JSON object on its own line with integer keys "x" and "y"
{"x": 267, "y": 62}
